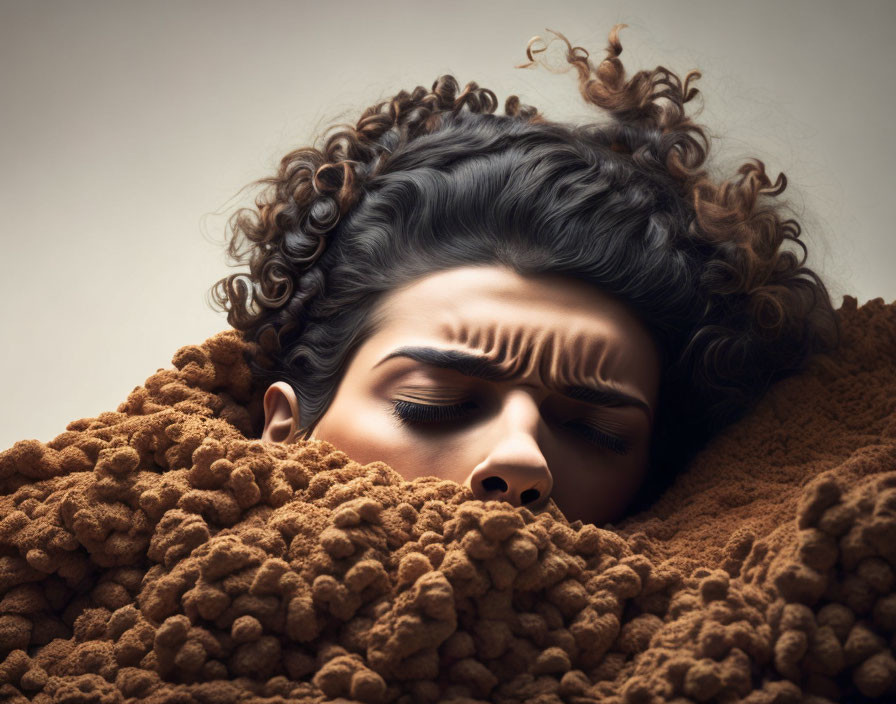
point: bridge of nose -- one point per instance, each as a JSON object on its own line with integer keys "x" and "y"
{"x": 513, "y": 463}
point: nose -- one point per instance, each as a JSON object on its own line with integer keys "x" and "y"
{"x": 514, "y": 469}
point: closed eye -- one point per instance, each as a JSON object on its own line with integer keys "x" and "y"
{"x": 408, "y": 412}
{"x": 611, "y": 442}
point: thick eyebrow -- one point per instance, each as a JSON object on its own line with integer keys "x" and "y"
{"x": 483, "y": 368}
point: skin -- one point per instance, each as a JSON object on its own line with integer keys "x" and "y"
{"x": 518, "y": 437}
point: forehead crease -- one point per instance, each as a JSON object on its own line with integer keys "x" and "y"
{"x": 531, "y": 351}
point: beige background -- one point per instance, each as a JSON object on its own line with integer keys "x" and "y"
{"x": 128, "y": 129}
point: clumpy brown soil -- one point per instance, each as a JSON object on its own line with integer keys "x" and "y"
{"x": 161, "y": 553}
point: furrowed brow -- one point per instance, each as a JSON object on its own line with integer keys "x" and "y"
{"x": 481, "y": 367}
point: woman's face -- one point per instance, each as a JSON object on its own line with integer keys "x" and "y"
{"x": 522, "y": 389}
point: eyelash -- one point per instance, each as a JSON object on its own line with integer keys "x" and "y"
{"x": 408, "y": 412}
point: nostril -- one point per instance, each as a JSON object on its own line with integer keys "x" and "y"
{"x": 529, "y": 495}
{"x": 494, "y": 484}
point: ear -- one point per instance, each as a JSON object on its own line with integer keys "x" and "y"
{"x": 281, "y": 413}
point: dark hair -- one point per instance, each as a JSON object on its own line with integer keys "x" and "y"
{"x": 432, "y": 180}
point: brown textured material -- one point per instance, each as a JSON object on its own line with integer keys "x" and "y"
{"x": 162, "y": 553}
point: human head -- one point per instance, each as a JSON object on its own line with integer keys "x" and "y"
{"x": 522, "y": 388}
{"x": 431, "y": 181}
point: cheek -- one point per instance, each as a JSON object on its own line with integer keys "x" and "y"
{"x": 353, "y": 430}
{"x": 368, "y": 432}
{"x": 598, "y": 494}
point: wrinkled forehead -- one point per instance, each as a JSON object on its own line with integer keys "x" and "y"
{"x": 539, "y": 325}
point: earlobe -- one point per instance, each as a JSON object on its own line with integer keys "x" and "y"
{"x": 281, "y": 413}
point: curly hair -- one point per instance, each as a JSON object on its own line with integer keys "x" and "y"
{"x": 433, "y": 179}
